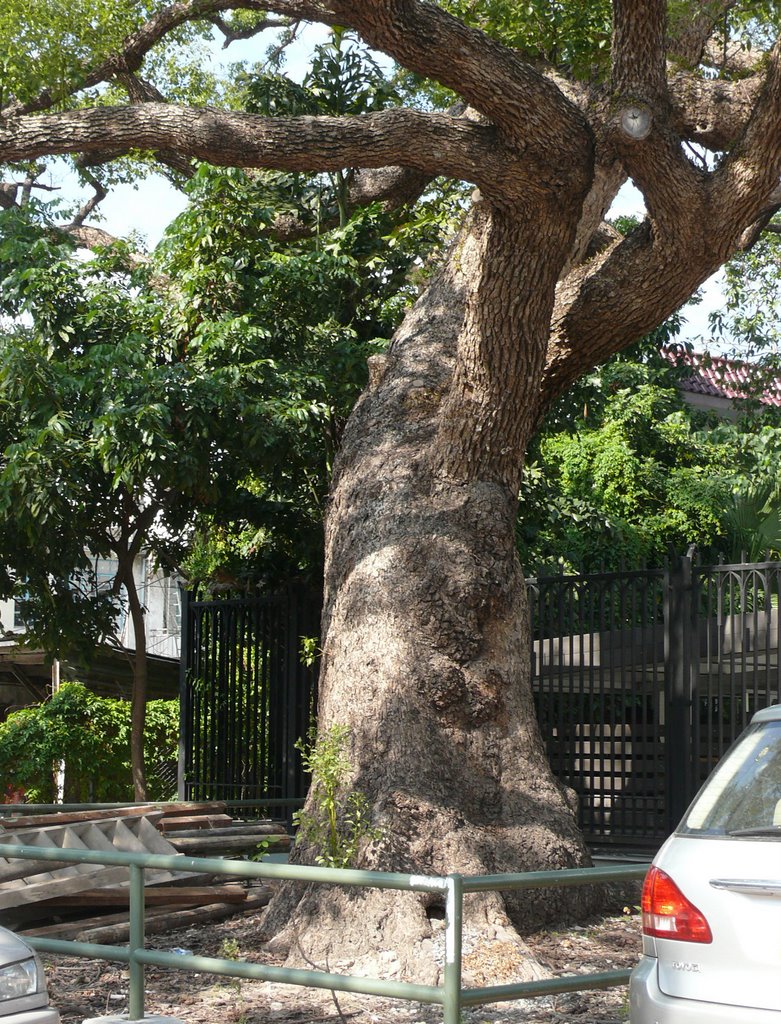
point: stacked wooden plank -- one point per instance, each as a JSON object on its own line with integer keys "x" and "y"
{"x": 23, "y": 882}
{"x": 174, "y": 899}
{"x": 206, "y": 834}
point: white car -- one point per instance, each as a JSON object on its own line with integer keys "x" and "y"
{"x": 711, "y": 903}
{"x": 24, "y": 998}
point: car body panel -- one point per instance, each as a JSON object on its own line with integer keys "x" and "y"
{"x": 42, "y": 1015}
{"x": 29, "y": 1009}
{"x": 649, "y": 1005}
{"x": 735, "y": 882}
{"x": 742, "y": 964}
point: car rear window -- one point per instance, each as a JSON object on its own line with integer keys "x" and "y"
{"x": 743, "y": 795}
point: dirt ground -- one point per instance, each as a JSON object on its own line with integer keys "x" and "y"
{"x": 83, "y": 988}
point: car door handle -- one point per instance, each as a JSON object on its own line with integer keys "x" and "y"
{"x": 764, "y": 887}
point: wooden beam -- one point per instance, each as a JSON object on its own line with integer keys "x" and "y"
{"x": 160, "y": 895}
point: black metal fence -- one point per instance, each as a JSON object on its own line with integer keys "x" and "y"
{"x": 643, "y": 679}
{"x": 246, "y": 696}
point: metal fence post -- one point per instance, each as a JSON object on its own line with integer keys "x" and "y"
{"x": 185, "y": 738}
{"x": 136, "y": 942}
{"x": 454, "y": 904}
{"x": 680, "y": 644}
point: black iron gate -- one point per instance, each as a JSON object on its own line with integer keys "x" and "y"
{"x": 246, "y": 696}
{"x": 643, "y": 679}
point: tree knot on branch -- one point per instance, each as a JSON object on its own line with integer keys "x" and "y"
{"x": 635, "y": 119}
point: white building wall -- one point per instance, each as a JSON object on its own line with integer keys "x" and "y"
{"x": 162, "y": 600}
{"x": 7, "y": 615}
{"x": 159, "y": 595}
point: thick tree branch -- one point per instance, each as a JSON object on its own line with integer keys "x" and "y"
{"x": 138, "y": 89}
{"x": 490, "y": 77}
{"x": 638, "y": 52}
{"x": 641, "y": 280}
{"x": 88, "y": 236}
{"x": 421, "y": 36}
{"x": 712, "y": 113}
{"x": 744, "y": 183}
{"x": 455, "y": 147}
{"x": 691, "y": 32}
{"x": 392, "y": 186}
{"x": 640, "y": 129}
{"x": 609, "y": 176}
{"x": 615, "y": 299}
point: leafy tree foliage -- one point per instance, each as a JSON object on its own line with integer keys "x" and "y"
{"x": 305, "y": 316}
{"x": 640, "y": 474}
{"x": 115, "y": 426}
{"x": 316, "y": 308}
{"x": 90, "y": 736}
{"x": 566, "y": 33}
{"x": 138, "y": 393}
{"x": 110, "y": 430}
{"x": 749, "y": 321}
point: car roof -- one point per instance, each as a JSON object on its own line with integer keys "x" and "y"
{"x": 771, "y": 714}
{"x": 12, "y": 948}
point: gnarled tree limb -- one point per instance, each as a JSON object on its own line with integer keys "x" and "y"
{"x": 444, "y": 145}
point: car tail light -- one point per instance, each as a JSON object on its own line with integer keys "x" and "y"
{"x": 668, "y": 914}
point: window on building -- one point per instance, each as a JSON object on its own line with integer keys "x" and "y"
{"x": 172, "y": 606}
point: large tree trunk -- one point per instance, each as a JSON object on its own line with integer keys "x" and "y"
{"x": 426, "y": 640}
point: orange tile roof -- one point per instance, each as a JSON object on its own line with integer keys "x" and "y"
{"x": 720, "y": 377}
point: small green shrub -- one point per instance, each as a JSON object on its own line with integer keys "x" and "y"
{"x": 340, "y": 820}
{"x": 90, "y": 735}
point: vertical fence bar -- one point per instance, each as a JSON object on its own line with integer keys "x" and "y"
{"x": 606, "y": 669}
{"x": 692, "y": 675}
{"x": 257, "y": 740}
{"x": 454, "y": 907}
{"x": 293, "y": 690}
{"x": 718, "y": 705}
{"x": 589, "y": 686}
{"x": 768, "y": 700}
{"x": 136, "y": 942}
{"x": 185, "y": 742}
{"x": 677, "y": 725}
{"x": 736, "y": 646}
{"x": 761, "y": 599}
{"x": 705, "y": 708}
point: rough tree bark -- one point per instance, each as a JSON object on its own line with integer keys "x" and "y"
{"x": 425, "y": 653}
{"x": 425, "y": 634}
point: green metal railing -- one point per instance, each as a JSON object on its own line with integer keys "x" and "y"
{"x": 450, "y": 995}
